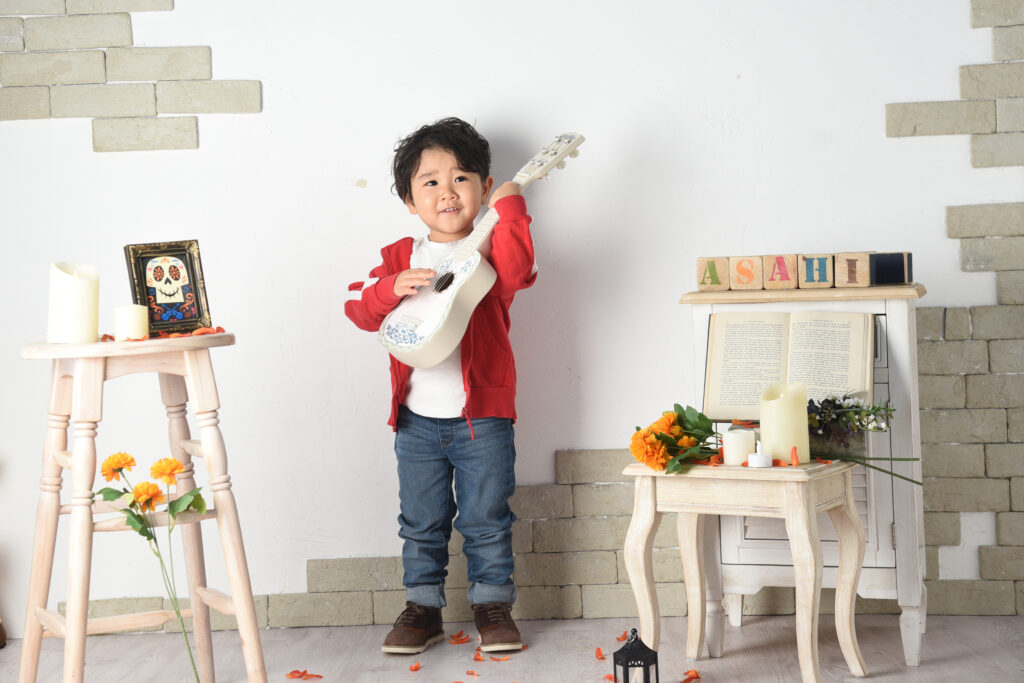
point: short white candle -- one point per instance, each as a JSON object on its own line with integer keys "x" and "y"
{"x": 73, "y": 312}
{"x": 784, "y": 421}
{"x": 759, "y": 458}
{"x": 131, "y": 322}
{"x": 739, "y": 443}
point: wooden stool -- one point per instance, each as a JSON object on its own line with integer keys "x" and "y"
{"x": 796, "y": 494}
{"x": 76, "y": 389}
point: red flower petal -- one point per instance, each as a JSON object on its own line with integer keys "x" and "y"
{"x": 500, "y": 659}
{"x": 598, "y": 653}
{"x": 622, "y": 637}
{"x": 414, "y": 667}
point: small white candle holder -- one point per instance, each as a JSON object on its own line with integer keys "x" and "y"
{"x": 759, "y": 458}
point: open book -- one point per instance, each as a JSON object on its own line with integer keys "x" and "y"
{"x": 833, "y": 353}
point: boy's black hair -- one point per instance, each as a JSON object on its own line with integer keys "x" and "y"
{"x": 452, "y": 134}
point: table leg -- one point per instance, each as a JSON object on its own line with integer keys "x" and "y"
{"x": 734, "y": 601}
{"x": 87, "y": 407}
{"x": 47, "y": 514}
{"x": 691, "y": 547}
{"x": 712, "y": 565}
{"x": 174, "y": 396}
{"x": 637, "y": 556}
{"x": 851, "y": 557}
{"x": 202, "y": 389}
{"x": 802, "y": 527}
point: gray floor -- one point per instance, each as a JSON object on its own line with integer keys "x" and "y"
{"x": 970, "y": 649}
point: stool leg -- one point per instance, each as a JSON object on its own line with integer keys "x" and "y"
{"x": 712, "y": 566}
{"x": 87, "y": 406}
{"x": 637, "y": 556}
{"x": 174, "y": 395}
{"x": 202, "y": 389}
{"x": 691, "y": 547}
{"x": 851, "y": 556}
{"x": 47, "y": 514}
{"x": 802, "y": 527}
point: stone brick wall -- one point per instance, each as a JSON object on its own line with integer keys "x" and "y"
{"x": 74, "y": 59}
{"x": 971, "y": 360}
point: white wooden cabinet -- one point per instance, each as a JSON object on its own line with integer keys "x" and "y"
{"x": 755, "y": 551}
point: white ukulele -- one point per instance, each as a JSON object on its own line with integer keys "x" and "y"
{"x": 426, "y": 327}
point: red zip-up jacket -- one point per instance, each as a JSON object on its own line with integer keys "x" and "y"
{"x": 488, "y": 366}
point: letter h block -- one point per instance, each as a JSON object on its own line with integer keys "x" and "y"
{"x": 815, "y": 271}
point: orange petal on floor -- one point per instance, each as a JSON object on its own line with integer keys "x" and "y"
{"x": 472, "y": 673}
{"x": 500, "y": 659}
{"x": 295, "y": 673}
{"x": 598, "y": 653}
{"x": 414, "y": 667}
{"x": 309, "y": 677}
{"x": 609, "y": 677}
{"x": 622, "y": 637}
{"x": 459, "y": 634}
{"x": 477, "y": 657}
{"x": 459, "y": 641}
{"x": 692, "y": 675}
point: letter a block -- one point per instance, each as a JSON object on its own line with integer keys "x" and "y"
{"x": 815, "y": 271}
{"x": 779, "y": 271}
{"x": 853, "y": 269}
{"x": 712, "y": 274}
{"x": 745, "y": 272}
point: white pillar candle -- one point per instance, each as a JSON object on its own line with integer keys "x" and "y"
{"x": 73, "y": 315}
{"x": 784, "y": 421}
{"x": 739, "y": 443}
{"x": 131, "y": 322}
{"x": 759, "y": 458}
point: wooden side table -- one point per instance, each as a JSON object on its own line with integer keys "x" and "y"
{"x": 76, "y": 394}
{"x": 796, "y": 494}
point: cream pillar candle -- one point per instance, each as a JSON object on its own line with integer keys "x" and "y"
{"x": 784, "y": 421}
{"x": 73, "y": 315}
{"x": 739, "y": 443}
{"x": 131, "y": 322}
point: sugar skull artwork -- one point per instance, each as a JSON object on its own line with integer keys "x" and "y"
{"x": 170, "y": 294}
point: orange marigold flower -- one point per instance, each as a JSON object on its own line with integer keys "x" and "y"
{"x": 115, "y": 464}
{"x": 148, "y": 495}
{"x": 646, "y": 448}
{"x": 687, "y": 442}
{"x": 665, "y": 423}
{"x": 165, "y": 469}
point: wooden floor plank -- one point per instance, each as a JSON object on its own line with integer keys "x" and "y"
{"x": 973, "y": 649}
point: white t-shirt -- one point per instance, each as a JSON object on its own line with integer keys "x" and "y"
{"x": 437, "y": 391}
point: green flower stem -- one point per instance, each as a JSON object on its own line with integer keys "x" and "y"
{"x": 860, "y": 461}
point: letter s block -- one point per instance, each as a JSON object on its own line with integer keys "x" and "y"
{"x": 780, "y": 271}
{"x": 745, "y": 272}
{"x": 853, "y": 269}
{"x": 815, "y": 271}
{"x": 712, "y": 273}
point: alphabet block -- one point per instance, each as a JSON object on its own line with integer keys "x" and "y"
{"x": 745, "y": 272}
{"x": 895, "y": 268}
{"x": 712, "y": 274}
{"x": 853, "y": 269}
{"x": 779, "y": 271}
{"x": 815, "y": 271}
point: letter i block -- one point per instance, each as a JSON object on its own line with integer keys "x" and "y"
{"x": 815, "y": 271}
{"x": 745, "y": 272}
{"x": 712, "y": 274}
{"x": 853, "y": 269}
{"x": 780, "y": 271}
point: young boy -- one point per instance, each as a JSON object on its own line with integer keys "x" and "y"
{"x": 453, "y": 421}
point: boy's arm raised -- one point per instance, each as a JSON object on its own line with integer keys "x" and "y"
{"x": 512, "y": 245}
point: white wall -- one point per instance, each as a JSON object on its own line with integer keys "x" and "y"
{"x": 713, "y": 128}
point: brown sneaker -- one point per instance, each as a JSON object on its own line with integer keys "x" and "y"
{"x": 416, "y": 628}
{"x": 497, "y": 630}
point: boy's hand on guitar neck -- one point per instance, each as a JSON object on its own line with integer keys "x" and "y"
{"x": 409, "y": 281}
{"x": 506, "y": 189}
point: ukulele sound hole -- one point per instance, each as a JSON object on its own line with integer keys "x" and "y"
{"x": 444, "y": 282}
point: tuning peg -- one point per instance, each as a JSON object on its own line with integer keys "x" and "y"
{"x": 561, "y": 164}
{"x": 575, "y": 153}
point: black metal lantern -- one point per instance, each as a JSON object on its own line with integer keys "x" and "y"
{"x": 636, "y": 657}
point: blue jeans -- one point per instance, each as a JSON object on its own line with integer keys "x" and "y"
{"x": 433, "y": 454}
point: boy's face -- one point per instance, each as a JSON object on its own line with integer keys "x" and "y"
{"x": 445, "y": 197}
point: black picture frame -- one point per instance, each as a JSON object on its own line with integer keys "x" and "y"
{"x": 179, "y": 304}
